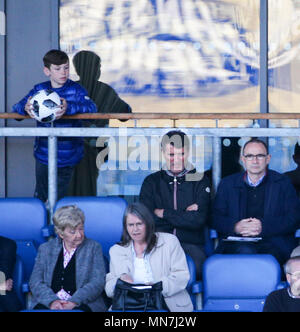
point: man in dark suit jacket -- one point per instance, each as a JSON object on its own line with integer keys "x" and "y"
{"x": 257, "y": 203}
{"x": 9, "y": 301}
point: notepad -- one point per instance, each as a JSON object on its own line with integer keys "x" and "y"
{"x": 242, "y": 239}
{"x": 142, "y": 287}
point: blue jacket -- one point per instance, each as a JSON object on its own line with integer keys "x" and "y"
{"x": 281, "y": 208}
{"x": 69, "y": 150}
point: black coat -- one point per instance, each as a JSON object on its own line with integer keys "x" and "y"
{"x": 8, "y": 248}
{"x": 157, "y": 192}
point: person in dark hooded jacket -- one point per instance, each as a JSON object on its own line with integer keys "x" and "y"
{"x": 179, "y": 197}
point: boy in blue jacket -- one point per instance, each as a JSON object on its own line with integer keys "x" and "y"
{"x": 74, "y": 100}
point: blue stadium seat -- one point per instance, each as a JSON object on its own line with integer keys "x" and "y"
{"x": 103, "y": 218}
{"x": 239, "y": 282}
{"x": 210, "y": 236}
{"x": 209, "y": 241}
{"x": 25, "y": 221}
{"x": 192, "y": 270}
{"x": 18, "y": 280}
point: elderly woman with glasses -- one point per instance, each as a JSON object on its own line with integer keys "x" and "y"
{"x": 146, "y": 257}
{"x": 69, "y": 272}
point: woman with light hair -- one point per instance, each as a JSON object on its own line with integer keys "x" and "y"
{"x": 69, "y": 272}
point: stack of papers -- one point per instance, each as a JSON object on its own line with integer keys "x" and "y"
{"x": 142, "y": 287}
{"x": 242, "y": 239}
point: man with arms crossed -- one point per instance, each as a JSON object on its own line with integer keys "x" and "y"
{"x": 179, "y": 197}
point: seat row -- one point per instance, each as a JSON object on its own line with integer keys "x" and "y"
{"x": 230, "y": 282}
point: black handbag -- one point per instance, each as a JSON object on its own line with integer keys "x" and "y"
{"x": 138, "y": 297}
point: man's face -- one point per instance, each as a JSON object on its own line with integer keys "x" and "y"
{"x": 58, "y": 74}
{"x": 293, "y": 278}
{"x": 175, "y": 158}
{"x": 255, "y": 158}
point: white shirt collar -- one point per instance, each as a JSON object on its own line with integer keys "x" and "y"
{"x": 256, "y": 183}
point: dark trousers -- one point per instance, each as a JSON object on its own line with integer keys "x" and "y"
{"x": 64, "y": 175}
{"x": 260, "y": 247}
{"x": 197, "y": 254}
{"x": 10, "y": 302}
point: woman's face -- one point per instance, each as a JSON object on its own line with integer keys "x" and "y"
{"x": 136, "y": 228}
{"x": 73, "y": 237}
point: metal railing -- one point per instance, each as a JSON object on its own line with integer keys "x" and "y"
{"x": 216, "y": 133}
{"x": 171, "y": 116}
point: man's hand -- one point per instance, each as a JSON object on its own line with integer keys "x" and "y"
{"x": 63, "y": 109}
{"x": 193, "y": 207}
{"x": 256, "y": 227}
{"x": 248, "y": 227}
{"x": 159, "y": 213}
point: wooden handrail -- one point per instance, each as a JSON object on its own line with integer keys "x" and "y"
{"x": 170, "y": 116}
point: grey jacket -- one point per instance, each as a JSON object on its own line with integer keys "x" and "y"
{"x": 90, "y": 274}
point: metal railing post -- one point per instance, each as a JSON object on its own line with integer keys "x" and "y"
{"x": 216, "y": 163}
{"x": 263, "y": 60}
{"x": 52, "y": 174}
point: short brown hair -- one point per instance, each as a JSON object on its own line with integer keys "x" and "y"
{"x": 257, "y": 141}
{"x": 55, "y": 57}
{"x": 176, "y": 138}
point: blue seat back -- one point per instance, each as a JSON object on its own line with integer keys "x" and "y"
{"x": 24, "y": 220}
{"x": 18, "y": 280}
{"x": 103, "y": 218}
{"x": 239, "y": 282}
{"x": 192, "y": 270}
{"x": 209, "y": 242}
{"x": 27, "y": 250}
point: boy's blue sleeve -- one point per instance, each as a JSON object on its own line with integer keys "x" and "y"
{"x": 81, "y": 103}
{"x": 20, "y": 106}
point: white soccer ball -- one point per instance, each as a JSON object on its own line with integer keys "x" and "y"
{"x": 45, "y": 105}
